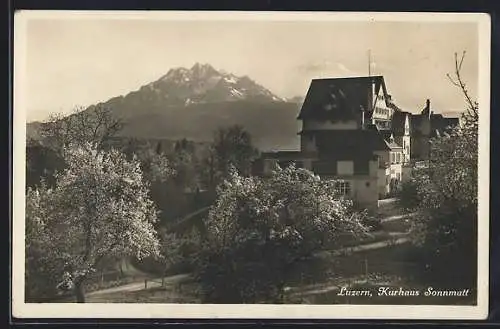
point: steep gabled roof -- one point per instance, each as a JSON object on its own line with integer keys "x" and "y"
{"x": 393, "y": 145}
{"x": 288, "y": 155}
{"x": 386, "y": 134}
{"x": 393, "y": 106}
{"x": 348, "y": 144}
{"x": 438, "y": 123}
{"x": 441, "y": 124}
{"x": 398, "y": 122}
{"x": 340, "y": 99}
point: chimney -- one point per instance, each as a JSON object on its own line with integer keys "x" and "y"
{"x": 428, "y": 104}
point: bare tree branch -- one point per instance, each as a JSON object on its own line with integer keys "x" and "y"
{"x": 96, "y": 126}
{"x": 457, "y": 81}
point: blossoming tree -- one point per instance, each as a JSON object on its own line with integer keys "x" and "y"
{"x": 445, "y": 197}
{"x": 260, "y": 229}
{"x": 99, "y": 208}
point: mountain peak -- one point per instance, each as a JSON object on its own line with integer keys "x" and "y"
{"x": 201, "y": 66}
{"x": 202, "y": 83}
{"x": 203, "y": 70}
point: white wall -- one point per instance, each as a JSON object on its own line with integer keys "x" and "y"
{"x": 365, "y": 192}
{"x": 383, "y": 184}
{"x": 407, "y": 148}
{"x": 345, "y": 168}
{"x": 384, "y": 156}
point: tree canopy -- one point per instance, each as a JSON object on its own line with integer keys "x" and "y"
{"x": 445, "y": 198}
{"x": 99, "y": 208}
{"x": 260, "y": 229}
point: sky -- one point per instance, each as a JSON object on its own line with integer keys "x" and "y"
{"x": 72, "y": 63}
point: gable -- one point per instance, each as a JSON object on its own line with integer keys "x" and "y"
{"x": 340, "y": 99}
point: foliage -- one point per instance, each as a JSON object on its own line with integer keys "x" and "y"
{"x": 445, "y": 197}
{"x": 185, "y": 161}
{"x": 99, "y": 209}
{"x": 41, "y": 164}
{"x": 43, "y": 267}
{"x": 231, "y": 147}
{"x": 93, "y": 127}
{"x": 259, "y": 230}
{"x": 180, "y": 251}
{"x": 408, "y": 197}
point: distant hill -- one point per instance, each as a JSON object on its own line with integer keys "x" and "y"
{"x": 192, "y": 103}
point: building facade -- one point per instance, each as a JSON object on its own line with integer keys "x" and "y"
{"x": 354, "y": 133}
{"x": 425, "y": 126}
{"x": 346, "y": 136}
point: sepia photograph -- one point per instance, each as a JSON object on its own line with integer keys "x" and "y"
{"x": 251, "y": 165}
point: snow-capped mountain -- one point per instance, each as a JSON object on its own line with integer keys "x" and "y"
{"x": 193, "y": 103}
{"x": 204, "y": 84}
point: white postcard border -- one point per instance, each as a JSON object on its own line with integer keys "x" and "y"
{"x": 21, "y": 309}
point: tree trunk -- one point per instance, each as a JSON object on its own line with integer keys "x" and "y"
{"x": 79, "y": 291}
{"x": 280, "y": 298}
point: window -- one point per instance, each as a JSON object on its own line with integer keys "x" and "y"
{"x": 393, "y": 158}
{"x": 398, "y": 157}
{"x": 343, "y": 188}
{"x": 345, "y": 167}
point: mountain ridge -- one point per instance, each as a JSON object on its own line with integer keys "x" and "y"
{"x": 192, "y": 103}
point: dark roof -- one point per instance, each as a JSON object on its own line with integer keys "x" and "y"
{"x": 348, "y": 144}
{"x": 386, "y": 133}
{"x": 393, "y": 145}
{"x": 416, "y": 119}
{"x": 287, "y": 154}
{"x": 339, "y": 99}
{"x": 451, "y": 121}
{"x": 393, "y": 106}
{"x": 398, "y": 123}
{"x": 441, "y": 124}
{"x": 438, "y": 123}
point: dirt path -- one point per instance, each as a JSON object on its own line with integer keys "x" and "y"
{"x": 397, "y": 217}
{"x": 130, "y": 270}
{"x": 140, "y": 285}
